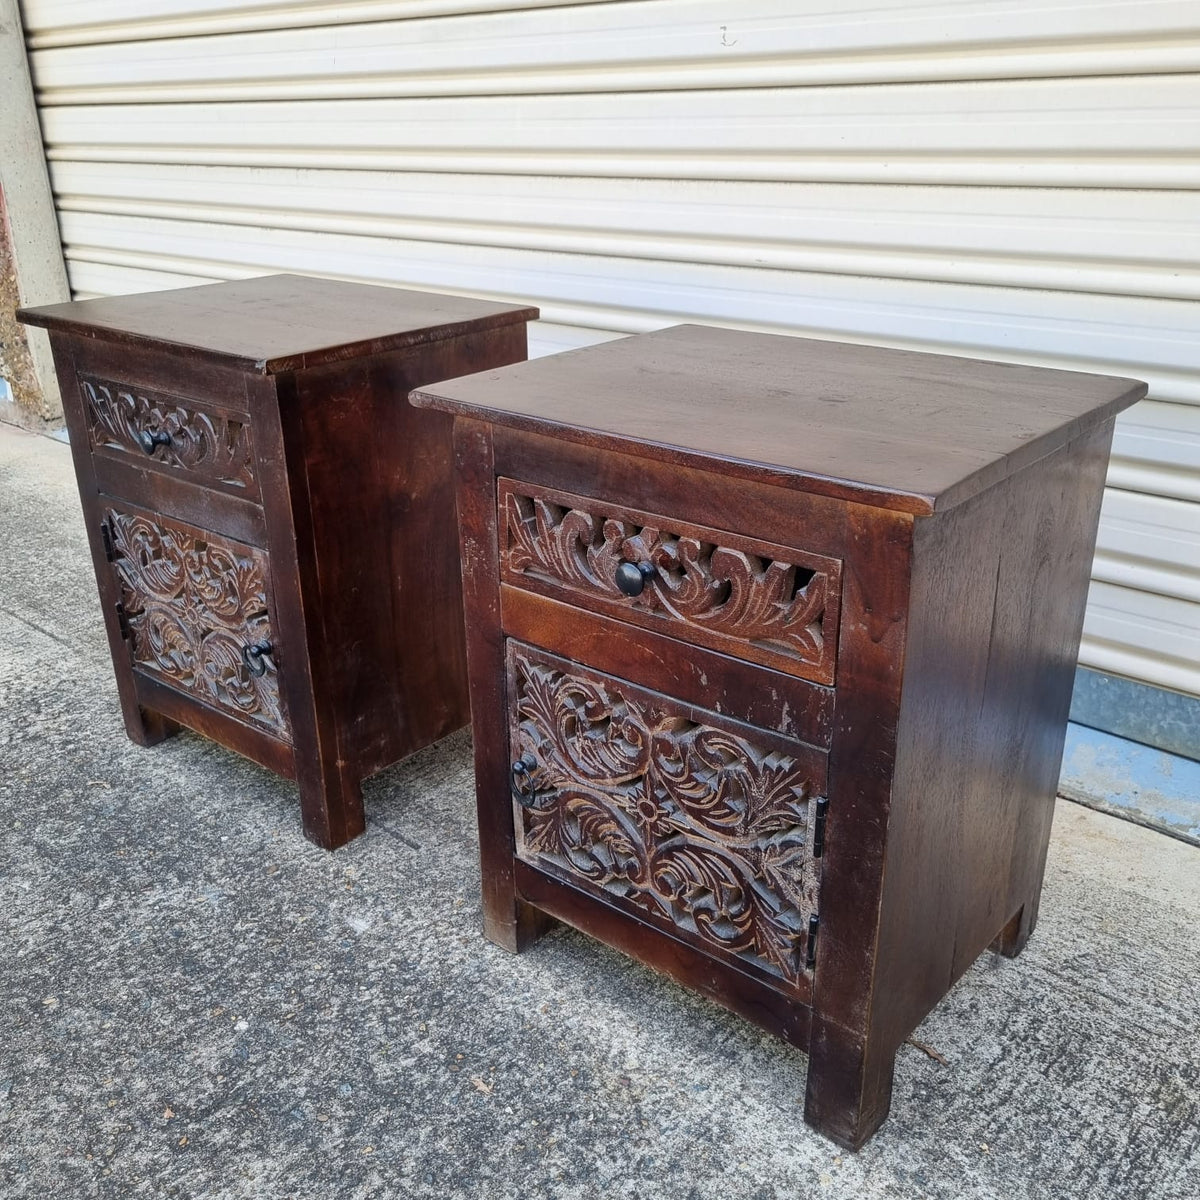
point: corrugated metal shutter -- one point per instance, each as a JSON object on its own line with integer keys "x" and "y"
{"x": 1018, "y": 181}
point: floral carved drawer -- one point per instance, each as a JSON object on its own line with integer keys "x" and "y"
{"x": 211, "y": 447}
{"x": 758, "y": 601}
{"x": 700, "y": 826}
{"x": 194, "y": 608}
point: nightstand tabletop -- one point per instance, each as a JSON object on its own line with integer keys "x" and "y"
{"x": 900, "y": 429}
{"x": 276, "y": 323}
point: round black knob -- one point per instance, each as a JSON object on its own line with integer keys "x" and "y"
{"x": 151, "y": 441}
{"x": 632, "y": 577}
{"x": 522, "y": 778}
{"x": 254, "y": 656}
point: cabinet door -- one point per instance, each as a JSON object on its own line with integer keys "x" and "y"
{"x": 195, "y": 610}
{"x": 701, "y": 826}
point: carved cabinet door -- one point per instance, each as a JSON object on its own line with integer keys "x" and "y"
{"x": 195, "y": 610}
{"x": 699, "y": 825}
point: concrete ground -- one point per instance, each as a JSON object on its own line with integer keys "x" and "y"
{"x": 196, "y": 1002}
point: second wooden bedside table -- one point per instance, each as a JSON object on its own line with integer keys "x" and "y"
{"x": 272, "y": 524}
{"x": 771, "y": 646}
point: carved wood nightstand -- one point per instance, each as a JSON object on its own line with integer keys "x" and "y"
{"x": 771, "y": 645}
{"x": 272, "y": 524}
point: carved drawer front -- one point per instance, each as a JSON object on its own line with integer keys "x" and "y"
{"x": 758, "y": 601}
{"x": 700, "y": 826}
{"x": 194, "y": 608}
{"x": 197, "y": 441}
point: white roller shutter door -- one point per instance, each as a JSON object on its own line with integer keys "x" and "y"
{"x": 1015, "y": 181}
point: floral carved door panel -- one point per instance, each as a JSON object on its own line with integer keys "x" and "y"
{"x": 194, "y": 608}
{"x": 694, "y": 823}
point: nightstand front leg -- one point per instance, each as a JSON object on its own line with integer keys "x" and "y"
{"x": 331, "y": 806}
{"x": 145, "y": 727}
{"x": 508, "y": 921}
{"x": 849, "y": 1088}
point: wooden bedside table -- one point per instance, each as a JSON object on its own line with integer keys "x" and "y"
{"x": 272, "y": 525}
{"x": 771, "y": 645}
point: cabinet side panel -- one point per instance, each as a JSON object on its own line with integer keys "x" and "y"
{"x": 380, "y": 487}
{"x": 316, "y": 764}
{"x": 998, "y": 592}
{"x": 1061, "y": 519}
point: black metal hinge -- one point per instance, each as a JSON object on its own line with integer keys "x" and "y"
{"x": 106, "y": 538}
{"x": 122, "y": 620}
{"x": 814, "y": 923}
{"x": 819, "y": 827}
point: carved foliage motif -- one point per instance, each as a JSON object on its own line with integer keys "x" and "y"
{"x": 786, "y": 609}
{"x": 693, "y": 826}
{"x": 191, "y": 604}
{"x": 215, "y": 446}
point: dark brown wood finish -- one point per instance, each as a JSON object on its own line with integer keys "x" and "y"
{"x": 954, "y": 505}
{"x": 849, "y": 1087}
{"x": 209, "y": 444}
{"x": 1001, "y": 584}
{"x": 892, "y": 428}
{"x": 145, "y": 726}
{"x": 508, "y": 920}
{"x": 274, "y": 324}
{"x": 729, "y": 687}
{"x": 189, "y": 602}
{"x": 668, "y": 811}
{"x": 313, "y": 506}
{"x": 771, "y": 604}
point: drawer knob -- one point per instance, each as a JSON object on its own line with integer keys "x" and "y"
{"x": 151, "y": 441}
{"x": 254, "y": 656}
{"x": 522, "y": 779}
{"x": 632, "y": 577}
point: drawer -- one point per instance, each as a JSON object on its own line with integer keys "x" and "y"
{"x": 700, "y": 826}
{"x": 195, "y": 609}
{"x": 200, "y": 442}
{"x": 762, "y": 602}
